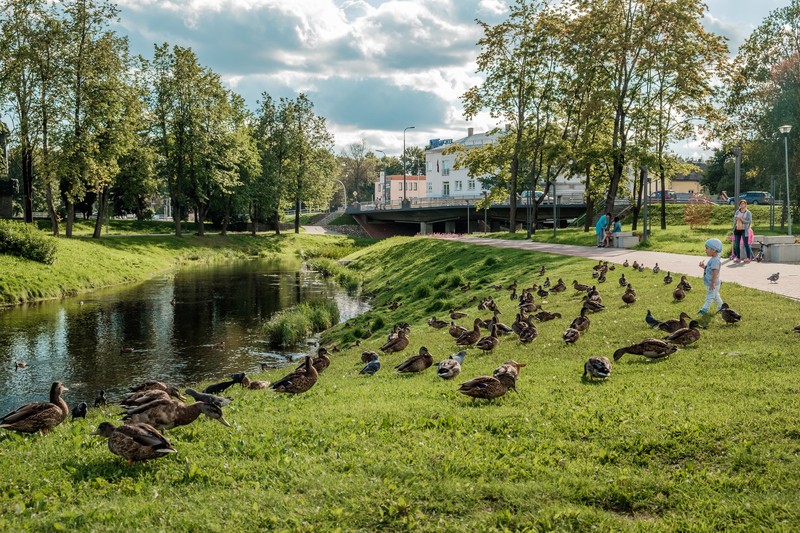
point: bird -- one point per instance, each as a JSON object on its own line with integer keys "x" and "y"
{"x": 470, "y": 337}
{"x": 544, "y": 316}
{"x": 542, "y": 293}
{"x": 394, "y": 305}
{"x": 678, "y": 294}
{"x": 489, "y": 342}
{"x": 367, "y": 356}
{"x": 416, "y": 363}
{"x": 512, "y": 287}
{"x": 19, "y": 364}
{"x": 774, "y": 277}
{"x": 651, "y": 320}
{"x": 159, "y": 385}
{"x": 593, "y": 306}
{"x": 571, "y": 335}
{"x": 436, "y": 323}
{"x": 218, "y": 388}
{"x": 730, "y": 316}
{"x": 247, "y": 383}
{"x": 218, "y": 345}
{"x": 635, "y": 265}
{"x": 542, "y": 270}
{"x": 398, "y": 344}
{"x": 560, "y": 286}
{"x": 629, "y": 296}
{"x": 101, "y": 399}
{"x": 685, "y": 336}
{"x": 465, "y": 288}
{"x": 451, "y": 367}
{"x": 320, "y": 362}
{"x": 656, "y": 269}
{"x": 135, "y": 442}
{"x": 546, "y": 283}
{"x": 602, "y": 277}
{"x": 298, "y": 382}
{"x": 684, "y": 284}
{"x": 167, "y": 414}
{"x": 456, "y": 331}
{"x": 38, "y": 416}
{"x": 625, "y": 264}
{"x": 622, "y": 281}
{"x": 582, "y": 322}
{"x": 668, "y": 279}
{"x": 528, "y": 334}
{"x": 135, "y": 399}
{"x": 372, "y": 366}
{"x": 796, "y": 329}
{"x": 455, "y": 315}
{"x": 650, "y": 348}
{"x": 80, "y": 410}
{"x": 674, "y": 324}
{"x": 580, "y": 287}
{"x": 597, "y": 367}
{"x": 488, "y": 387}
{"x": 509, "y": 367}
{"x": 219, "y": 401}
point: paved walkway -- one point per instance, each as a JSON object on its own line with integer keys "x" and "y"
{"x": 752, "y": 275}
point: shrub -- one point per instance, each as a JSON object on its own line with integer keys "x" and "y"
{"x": 697, "y": 212}
{"x": 23, "y": 240}
{"x": 422, "y": 291}
{"x": 293, "y": 326}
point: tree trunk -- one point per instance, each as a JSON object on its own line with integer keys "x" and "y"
{"x": 102, "y": 209}
{"x": 226, "y": 215}
{"x": 663, "y": 177}
{"x": 587, "y": 220}
{"x": 277, "y": 222}
{"x": 200, "y": 215}
{"x": 70, "y": 218}
{"x": 27, "y": 182}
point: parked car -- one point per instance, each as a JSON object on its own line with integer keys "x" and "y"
{"x": 754, "y": 198}
{"x": 526, "y": 194}
{"x": 655, "y": 196}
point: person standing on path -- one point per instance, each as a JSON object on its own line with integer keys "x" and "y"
{"x": 600, "y": 228}
{"x": 742, "y": 220}
{"x": 711, "y": 275}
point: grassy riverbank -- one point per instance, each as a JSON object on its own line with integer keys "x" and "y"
{"x": 83, "y": 264}
{"x": 704, "y": 440}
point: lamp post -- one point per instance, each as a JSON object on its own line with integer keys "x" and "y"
{"x": 485, "y": 211}
{"x": 344, "y": 189}
{"x": 467, "y": 217}
{"x": 4, "y": 141}
{"x": 406, "y": 203}
{"x": 785, "y": 131}
{"x": 385, "y": 189}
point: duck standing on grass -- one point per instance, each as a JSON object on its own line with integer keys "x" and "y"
{"x": 730, "y": 316}
{"x": 451, "y": 367}
{"x": 167, "y": 414}
{"x": 489, "y": 387}
{"x": 135, "y": 442}
{"x": 597, "y": 367}
{"x": 38, "y": 416}
{"x": 416, "y": 363}
{"x": 685, "y": 336}
{"x": 298, "y": 382}
{"x": 372, "y": 366}
{"x": 650, "y": 348}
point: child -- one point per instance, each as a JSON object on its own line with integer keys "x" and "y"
{"x": 711, "y": 275}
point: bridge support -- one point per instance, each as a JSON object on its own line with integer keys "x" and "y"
{"x": 425, "y": 228}
{"x": 450, "y": 226}
{"x": 494, "y": 225}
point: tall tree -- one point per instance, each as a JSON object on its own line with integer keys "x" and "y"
{"x": 358, "y": 168}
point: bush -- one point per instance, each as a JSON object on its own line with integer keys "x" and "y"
{"x": 293, "y": 326}
{"x": 25, "y": 241}
{"x": 697, "y": 213}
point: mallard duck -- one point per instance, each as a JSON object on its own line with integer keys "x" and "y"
{"x": 416, "y": 363}
{"x": 135, "y": 399}
{"x": 542, "y": 293}
{"x": 38, "y": 416}
{"x": 651, "y": 320}
{"x": 101, "y": 399}
{"x": 656, "y": 269}
{"x": 367, "y": 356}
{"x": 546, "y": 283}
{"x": 167, "y": 414}
{"x": 595, "y": 274}
{"x": 509, "y": 367}
{"x": 582, "y": 322}
{"x": 668, "y": 279}
{"x": 436, "y": 323}
{"x": 684, "y": 284}
{"x": 528, "y": 307}
{"x": 625, "y": 264}
{"x": 512, "y": 287}
{"x": 298, "y": 382}
{"x": 455, "y": 315}
{"x": 730, "y": 316}
{"x": 597, "y": 367}
{"x": 545, "y": 316}
{"x": 651, "y": 348}
{"x": 135, "y": 441}
{"x": 560, "y": 286}
{"x": 159, "y": 385}
{"x": 630, "y": 295}
{"x": 470, "y": 337}
{"x": 80, "y": 410}
{"x": 678, "y": 294}
{"x": 542, "y": 270}
{"x": 641, "y": 268}
{"x": 394, "y": 305}
{"x": 219, "y": 401}
{"x": 601, "y": 278}
{"x": 456, "y": 331}
{"x": 622, "y": 281}
{"x": 372, "y": 366}
{"x": 796, "y": 329}
{"x": 513, "y": 295}
{"x": 501, "y": 328}
{"x": 635, "y": 265}
{"x": 571, "y": 335}
{"x": 465, "y": 288}
{"x": 398, "y": 344}
{"x": 489, "y": 342}
{"x": 320, "y": 362}
{"x": 496, "y": 287}
{"x": 580, "y": 287}
{"x": 612, "y": 266}
{"x": 247, "y": 383}
{"x": 451, "y": 367}
{"x": 529, "y": 333}
{"x": 674, "y": 324}
{"x": 685, "y": 336}
{"x": 488, "y": 387}
{"x": 593, "y": 306}
{"x": 519, "y": 323}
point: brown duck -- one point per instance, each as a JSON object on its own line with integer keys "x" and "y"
{"x": 730, "y": 316}
{"x": 436, "y": 323}
{"x": 472, "y": 336}
{"x": 455, "y": 315}
{"x": 571, "y": 335}
{"x": 136, "y": 399}
{"x": 529, "y": 334}
{"x": 597, "y": 367}
{"x": 456, "y": 331}
{"x": 582, "y": 322}
{"x": 167, "y": 414}
{"x": 651, "y": 348}
{"x": 159, "y": 385}
{"x": 629, "y": 296}
{"x": 544, "y": 316}
{"x": 416, "y": 363}
{"x": 247, "y": 383}
{"x": 398, "y": 344}
{"x": 559, "y": 287}
{"x": 320, "y": 362}
{"x": 684, "y": 284}
{"x": 685, "y": 336}
{"x": 488, "y": 387}
{"x": 298, "y": 382}
{"x": 489, "y": 342}
{"x": 451, "y": 367}
{"x": 509, "y": 367}
{"x": 678, "y": 294}
{"x": 674, "y": 324}
{"x": 580, "y": 287}
{"x": 135, "y": 442}
{"x": 38, "y": 416}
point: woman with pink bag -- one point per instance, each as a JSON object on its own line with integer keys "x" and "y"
{"x": 742, "y": 220}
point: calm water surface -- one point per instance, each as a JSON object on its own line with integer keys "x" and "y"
{"x": 115, "y": 338}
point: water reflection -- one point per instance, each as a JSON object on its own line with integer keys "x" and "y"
{"x": 198, "y": 324}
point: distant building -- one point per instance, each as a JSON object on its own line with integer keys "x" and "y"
{"x": 689, "y": 183}
{"x": 389, "y": 189}
{"x": 445, "y": 181}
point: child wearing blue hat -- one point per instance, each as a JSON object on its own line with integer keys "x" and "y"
{"x": 711, "y": 275}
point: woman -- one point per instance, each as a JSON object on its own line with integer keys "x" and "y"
{"x": 742, "y": 220}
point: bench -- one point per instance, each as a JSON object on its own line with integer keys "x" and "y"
{"x": 625, "y": 239}
{"x": 777, "y": 248}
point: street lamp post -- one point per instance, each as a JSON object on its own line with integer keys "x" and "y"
{"x": 485, "y": 211}
{"x": 467, "y": 217}
{"x": 385, "y": 180}
{"x": 406, "y": 203}
{"x": 785, "y": 131}
{"x": 344, "y": 191}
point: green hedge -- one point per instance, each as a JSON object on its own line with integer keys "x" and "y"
{"x": 25, "y": 241}
{"x": 720, "y": 215}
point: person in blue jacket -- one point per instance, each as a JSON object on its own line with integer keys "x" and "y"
{"x": 600, "y": 228}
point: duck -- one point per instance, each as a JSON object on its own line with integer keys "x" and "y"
{"x": 159, "y": 385}
{"x": 320, "y": 362}
{"x": 218, "y": 345}
{"x": 528, "y": 334}
{"x": 168, "y": 414}
{"x": 622, "y": 281}
{"x": 135, "y": 442}
{"x": 656, "y": 269}
{"x": 489, "y": 342}
{"x": 38, "y": 416}
{"x": 394, "y": 305}
{"x": 512, "y": 287}
{"x": 543, "y": 293}
{"x": 730, "y": 316}
{"x": 496, "y": 287}
{"x": 470, "y": 337}
{"x": 571, "y": 335}
{"x": 436, "y": 323}
{"x": 80, "y": 410}
{"x": 545, "y": 316}
{"x": 367, "y": 356}
{"x": 635, "y": 265}
{"x": 593, "y": 306}
{"x": 398, "y": 344}
{"x": 684, "y": 284}
{"x": 509, "y": 367}
{"x": 372, "y": 366}
{"x": 674, "y": 324}
{"x": 546, "y": 283}
{"x": 597, "y": 367}
{"x": 455, "y": 315}
{"x": 136, "y": 399}
{"x": 668, "y": 279}
{"x": 247, "y": 383}
{"x": 502, "y": 329}
{"x": 219, "y": 401}
{"x": 685, "y": 336}
{"x": 456, "y": 331}
{"x": 451, "y": 367}
{"x": 519, "y": 323}
{"x": 651, "y": 320}
{"x": 100, "y": 400}
{"x": 582, "y": 322}
{"x": 625, "y": 264}
{"x": 513, "y": 295}
{"x": 560, "y": 286}
{"x": 796, "y": 329}
{"x": 630, "y": 295}
{"x": 298, "y": 382}
{"x": 601, "y": 278}
{"x": 678, "y": 294}
{"x": 651, "y": 348}
{"x": 20, "y": 364}
{"x": 489, "y": 387}
{"x": 416, "y": 363}
{"x": 542, "y": 270}
{"x": 580, "y": 287}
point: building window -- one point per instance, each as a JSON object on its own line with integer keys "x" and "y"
{"x": 458, "y": 186}
{"x": 470, "y": 185}
{"x": 400, "y": 186}
{"x": 414, "y": 186}
{"x": 445, "y": 167}
{"x": 430, "y": 187}
{"x": 445, "y": 188}
{"x": 430, "y": 166}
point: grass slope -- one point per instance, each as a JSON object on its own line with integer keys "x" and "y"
{"x": 705, "y": 440}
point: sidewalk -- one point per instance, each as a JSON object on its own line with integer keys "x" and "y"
{"x": 753, "y": 275}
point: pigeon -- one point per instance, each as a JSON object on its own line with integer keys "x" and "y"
{"x": 774, "y": 278}
{"x": 208, "y": 398}
{"x": 651, "y": 320}
{"x": 372, "y": 366}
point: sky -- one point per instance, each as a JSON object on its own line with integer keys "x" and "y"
{"x": 371, "y": 67}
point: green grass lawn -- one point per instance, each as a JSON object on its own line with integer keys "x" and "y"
{"x": 705, "y": 440}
